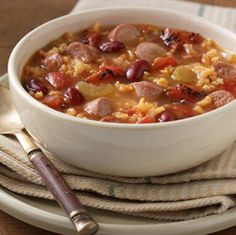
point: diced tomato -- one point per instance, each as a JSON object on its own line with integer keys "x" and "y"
{"x": 54, "y": 102}
{"x": 130, "y": 112}
{"x": 144, "y": 29}
{"x": 109, "y": 119}
{"x": 176, "y": 38}
{"x": 163, "y": 62}
{"x": 105, "y": 73}
{"x": 91, "y": 38}
{"x": 115, "y": 70}
{"x": 230, "y": 85}
{"x": 59, "y": 80}
{"x": 96, "y": 77}
{"x": 181, "y": 110}
{"x": 189, "y": 37}
{"x": 178, "y": 93}
{"x": 146, "y": 120}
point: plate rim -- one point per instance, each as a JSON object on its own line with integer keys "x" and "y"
{"x": 58, "y": 223}
{"x": 204, "y": 225}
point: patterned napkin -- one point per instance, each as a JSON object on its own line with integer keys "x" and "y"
{"x": 201, "y": 191}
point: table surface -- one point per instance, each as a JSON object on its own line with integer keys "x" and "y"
{"x": 24, "y": 13}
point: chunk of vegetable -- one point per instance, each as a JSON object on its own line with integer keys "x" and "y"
{"x": 54, "y": 102}
{"x": 91, "y": 38}
{"x": 163, "y": 62}
{"x": 146, "y": 120}
{"x": 181, "y": 110}
{"x": 91, "y": 91}
{"x": 106, "y": 72}
{"x": 177, "y": 38}
{"x": 184, "y": 74}
{"x": 181, "y": 92}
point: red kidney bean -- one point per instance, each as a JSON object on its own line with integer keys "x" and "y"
{"x": 111, "y": 46}
{"x": 74, "y": 96}
{"x": 35, "y": 86}
{"x": 167, "y": 116}
{"x": 135, "y": 71}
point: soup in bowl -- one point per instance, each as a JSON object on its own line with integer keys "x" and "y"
{"x": 130, "y": 92}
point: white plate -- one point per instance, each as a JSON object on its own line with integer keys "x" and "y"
{"x": 48, "y": 215}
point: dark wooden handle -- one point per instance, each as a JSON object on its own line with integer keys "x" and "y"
{"x": 63, "y": 194}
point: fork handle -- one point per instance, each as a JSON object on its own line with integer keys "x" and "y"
{"x": 56, "y": 184}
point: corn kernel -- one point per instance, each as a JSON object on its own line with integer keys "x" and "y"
{"x": 38, "y": 95}
{"x": 205, "y": 102}
{"x": 51, "y": 93}
{"x": 143, "y": 106}
{"x": 123, "y": 87}
{"x": 159, "y": 110}
{"x": 131, "y": 55}
{"x": 96, "y": 27}
{"x": 189, "y": 49}
{"x": 120, "y": 115}
{"x": 162, "y": 82}
{"x": 198, "y": 109}
{"x": 71, "y": 111}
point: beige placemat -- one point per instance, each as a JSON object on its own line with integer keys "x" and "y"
{"x": 205, "y": 190}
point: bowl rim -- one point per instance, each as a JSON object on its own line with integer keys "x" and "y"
{"x": 14, "y": 81}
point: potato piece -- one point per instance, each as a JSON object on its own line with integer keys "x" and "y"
{"x": 91, "y": 91}
{"x": 184, "y": 74}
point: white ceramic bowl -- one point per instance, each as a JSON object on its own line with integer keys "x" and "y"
{"x": 123, "y": 149}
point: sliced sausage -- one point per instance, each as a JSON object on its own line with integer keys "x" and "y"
{"x": 225, "y": 71}
{"x": 53, "y": 62}
{"x": 221, "y": 97}
{"x": 149, "y": 51}
{"x": 84, "y": 52}
{"x": 148, "y": 90}
{"x": 100, "y": 107}
{"x": 125, "y": 33}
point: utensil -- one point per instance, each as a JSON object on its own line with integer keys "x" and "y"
{"x": 10, "y": 123}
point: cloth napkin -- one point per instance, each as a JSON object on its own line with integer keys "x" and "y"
{"x": 201, "y": 191}
{"x": 204, "y": 190}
